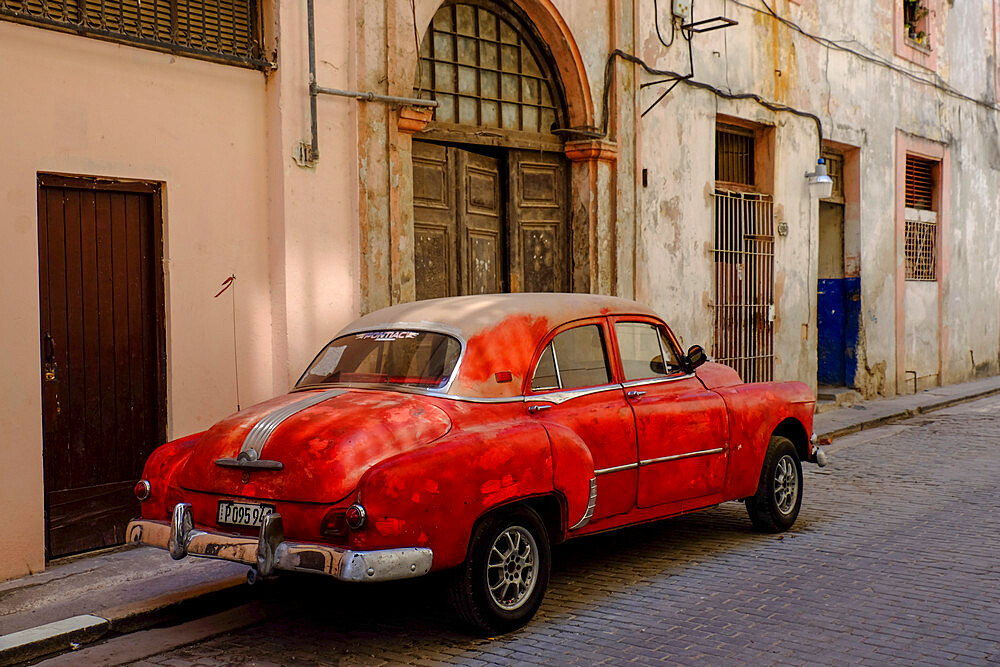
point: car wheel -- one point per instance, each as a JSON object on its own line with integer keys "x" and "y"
{"x": 779, "y": 493}
{"x": 502, "y": 582}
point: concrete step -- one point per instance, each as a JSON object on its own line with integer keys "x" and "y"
{"x": 830, "y": 398}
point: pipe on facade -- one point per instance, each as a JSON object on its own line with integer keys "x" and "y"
{"x": 374, "y": 97}
{"x": 314, "y": 154}
{"x": 316, "y": 90}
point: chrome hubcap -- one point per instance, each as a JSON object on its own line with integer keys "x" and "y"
{"x": 510, "y": 569}
{"x": 786, "y": 484}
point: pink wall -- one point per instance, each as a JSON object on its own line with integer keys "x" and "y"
{"x": 81, "y": 106}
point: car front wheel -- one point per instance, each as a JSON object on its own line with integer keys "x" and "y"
{"x": 775, "y": 506}
{"x": 502, "y": 582}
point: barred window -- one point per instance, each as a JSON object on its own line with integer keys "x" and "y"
{"x": 222, "y": 30}
{"x": 734, "y": 155}
{"x": 835, "y": 169}
{"x": 921, "y": 250}
{"x": 920, "y": 243}
{"x": 485, "y": 68}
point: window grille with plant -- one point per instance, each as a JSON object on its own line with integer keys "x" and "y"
{"x": 915, "y": 23}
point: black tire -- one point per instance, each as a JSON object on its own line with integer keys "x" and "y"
{"x": 502, "y": 582}
{"x": 775, "y": 506}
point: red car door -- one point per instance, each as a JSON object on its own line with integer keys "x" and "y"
{"x": 573, "y": 378}
{"x": 682, "y": 428}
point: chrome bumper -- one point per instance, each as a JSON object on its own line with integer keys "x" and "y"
{"x": 271, "y": 552}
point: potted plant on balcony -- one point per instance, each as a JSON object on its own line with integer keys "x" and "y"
{"x": 914, "y": 15}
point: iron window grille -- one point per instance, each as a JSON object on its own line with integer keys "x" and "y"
{"x": 835, "y": 169}
{"x": 221, "y": 30}
{"x": 921, "y": 250}
{"x": 744, "y": 283}
{"x": 484, "y": 69}
{"x": 734, "y": 155}
{"x": 920, "y": 234}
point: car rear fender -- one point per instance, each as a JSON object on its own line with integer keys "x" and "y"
{"x": 161, "y": 471}
{"x": 573, "y": 471}
{"x": 433, "y": 496}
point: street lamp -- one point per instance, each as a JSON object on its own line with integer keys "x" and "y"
{"x": 820, "y": 183}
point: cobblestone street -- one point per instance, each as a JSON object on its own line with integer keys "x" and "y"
{"x": 894, "y": 558}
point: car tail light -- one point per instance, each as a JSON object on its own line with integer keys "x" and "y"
{"x": 333, "y": 524}
{"x": 141, "y": 489}
{"x": 355, "y": 516}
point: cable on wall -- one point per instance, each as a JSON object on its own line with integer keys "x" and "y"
{"x": 838, "y": 45}
{"x": 689, "y": 80}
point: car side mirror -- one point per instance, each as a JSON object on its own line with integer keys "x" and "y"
{"x": 695, "y": 357}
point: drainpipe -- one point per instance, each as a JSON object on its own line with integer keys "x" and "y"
{"x": 310, "y": 154}
{"x": 314, "y": 146}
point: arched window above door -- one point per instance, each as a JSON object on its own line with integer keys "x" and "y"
{"x": 485, "y": 68}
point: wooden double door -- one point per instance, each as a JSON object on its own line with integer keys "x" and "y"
{"x": 489, "y": 221}
{"x": 102, "y": 360}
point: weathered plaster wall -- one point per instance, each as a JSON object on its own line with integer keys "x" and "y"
{"x": 313, "y": 224}
{"x": 88, "y": 107}
{"x": 862, "y": 105}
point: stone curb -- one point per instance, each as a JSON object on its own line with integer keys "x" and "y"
{"x": 69, "y": 634}
{"x": 51, "y": 638}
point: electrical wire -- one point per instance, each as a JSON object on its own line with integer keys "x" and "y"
{"x": 689, "y": 80}
{"x": 838, "y": 45}
{"x": 656, "y": 20}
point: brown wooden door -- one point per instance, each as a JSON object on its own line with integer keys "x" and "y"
{"x": 485, "y": 224}
{"x": 539, "y": 257}
{"x": 435, "y": 222}
{"x": 101, "y": 307}
{"x": 480, "y": 223}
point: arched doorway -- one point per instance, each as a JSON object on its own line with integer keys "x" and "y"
{"x": 490, "y": 179}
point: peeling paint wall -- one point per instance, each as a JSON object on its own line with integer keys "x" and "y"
{"x": 862, "y": 105}
{"x": 315, "y": 246}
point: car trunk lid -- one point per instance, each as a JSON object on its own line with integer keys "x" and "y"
{"x": 310, "y": 446}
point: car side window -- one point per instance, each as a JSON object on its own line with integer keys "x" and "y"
{"x": 575, "y": 358}
{"x": 545, "y": 376}
{"x": 646, "y": 353}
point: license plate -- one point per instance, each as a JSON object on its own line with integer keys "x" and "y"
{"x": 243, "y": 514}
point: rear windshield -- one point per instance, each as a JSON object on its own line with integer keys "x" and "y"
{"x": 410, "y": 358}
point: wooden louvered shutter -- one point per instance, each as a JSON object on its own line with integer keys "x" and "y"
{"x": 919, "y": 183}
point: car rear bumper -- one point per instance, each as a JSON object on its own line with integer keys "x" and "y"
{"x": 270, "y": 551}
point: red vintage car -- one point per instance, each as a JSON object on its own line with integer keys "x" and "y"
{"x": 470, "y": 434}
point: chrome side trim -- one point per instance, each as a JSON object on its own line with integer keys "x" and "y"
{"x": 414, "y": 390}
{"x": 468, "y": 399}
{"x": 270, "y": 551}
{"x": 568, "y": 394}
{"x": 591, "y": 504}
{"x": 605, "y": 471}
{"x": 658, "y": 380}
{"x": 687, "y": 455}
{"x": 262, "y": 430}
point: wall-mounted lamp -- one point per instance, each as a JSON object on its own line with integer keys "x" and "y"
{"x": 820, "y": 183}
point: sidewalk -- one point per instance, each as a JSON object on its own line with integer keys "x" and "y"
{"x": 870, "y": 414}
{"x": 81, "y": 600}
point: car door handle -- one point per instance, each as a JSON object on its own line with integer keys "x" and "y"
{"x": 538, "y": 407}
{"x": 635, "y": 393}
